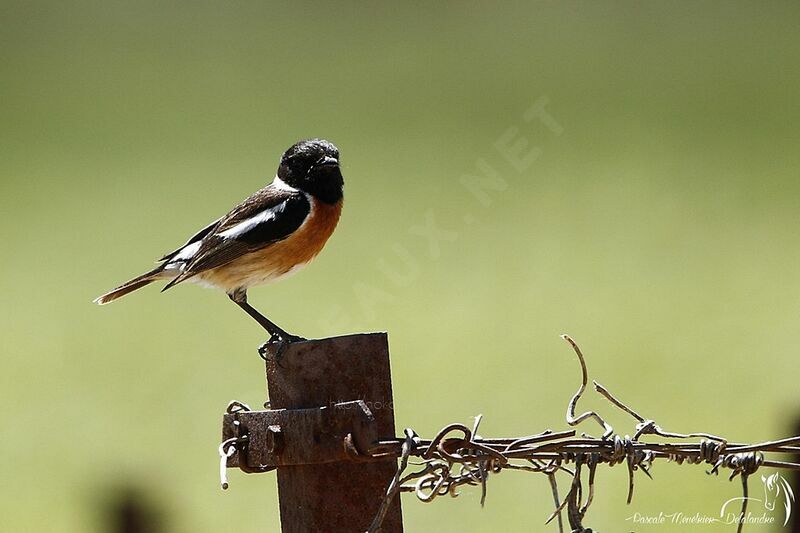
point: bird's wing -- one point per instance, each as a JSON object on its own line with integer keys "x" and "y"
{"x": 268, "y": 216}
{"x": 195, "y": 238}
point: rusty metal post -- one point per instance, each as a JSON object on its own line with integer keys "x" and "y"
{"x": 335, "y": 497}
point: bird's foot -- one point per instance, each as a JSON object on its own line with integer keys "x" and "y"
{"x": 277, "y": 344}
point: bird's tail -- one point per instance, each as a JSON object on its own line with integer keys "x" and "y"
{"x": 136, "y": 283}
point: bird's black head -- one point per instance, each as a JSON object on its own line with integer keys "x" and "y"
{"x": 312, "y": 166}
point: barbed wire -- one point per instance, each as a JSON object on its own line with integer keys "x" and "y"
{"x": 457, "y": 456}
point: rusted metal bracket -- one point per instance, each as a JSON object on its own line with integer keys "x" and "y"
{"x": 265, "y": 440}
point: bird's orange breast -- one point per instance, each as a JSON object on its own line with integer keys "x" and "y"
{"x": 282, "y": 258}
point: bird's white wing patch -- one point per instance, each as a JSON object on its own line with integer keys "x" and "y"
{"x": 187, "y": 252}
{"x": 182, "y": 257}
{"x": 246, "y": 225}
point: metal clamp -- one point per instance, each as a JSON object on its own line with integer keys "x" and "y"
{"x": 260, "y": 441}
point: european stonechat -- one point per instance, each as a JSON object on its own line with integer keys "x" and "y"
{"x": 270, "y": 235}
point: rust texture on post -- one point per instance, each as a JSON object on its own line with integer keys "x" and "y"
{"x": 342, "y": 496}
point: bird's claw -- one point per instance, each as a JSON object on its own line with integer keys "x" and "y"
{"x": 280, "y": 341}
{"x": 263, "y": 350}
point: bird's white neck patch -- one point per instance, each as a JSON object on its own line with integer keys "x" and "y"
{"x": 280, "y": 184}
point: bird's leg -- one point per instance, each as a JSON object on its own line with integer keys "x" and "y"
{"x": 239, "y": 297}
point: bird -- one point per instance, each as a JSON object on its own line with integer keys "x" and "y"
{"x": 269, "y": 236}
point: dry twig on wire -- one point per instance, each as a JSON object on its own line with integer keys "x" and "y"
{"x": 458, "y": 456}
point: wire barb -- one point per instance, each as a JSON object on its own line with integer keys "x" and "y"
{"x": 572, "y": 420}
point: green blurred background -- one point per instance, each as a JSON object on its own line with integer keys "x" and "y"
{"x": 660, "y": 228}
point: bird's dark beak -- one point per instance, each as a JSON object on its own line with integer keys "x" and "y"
{"x": 327, "y": 161}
